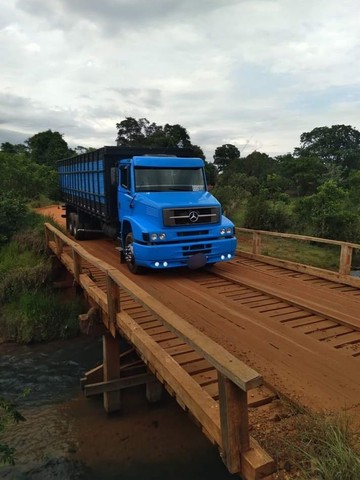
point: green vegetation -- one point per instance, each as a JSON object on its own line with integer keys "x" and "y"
{"x": 29, "y": 310}
{"x": 311, "y": 446}
{"x": 8, "y": 414}
{"x": 313, "y": 191}
{"x": 328, "y": 447}
{"x": 300, "y": 251}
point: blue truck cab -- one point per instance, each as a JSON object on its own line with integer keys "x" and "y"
{"x": 154, "y": 200}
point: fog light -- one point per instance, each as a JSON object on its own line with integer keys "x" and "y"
{"x": 165, "y": 264}
{"x": 222, "y": 257}
{"x": 229, "y": 255}
{"x": 153, "y": 236}
{"x": 157, "y": 264}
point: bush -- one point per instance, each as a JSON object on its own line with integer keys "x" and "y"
{"x": 329, "y": 214}
{"x": 12, "y": 215}
{"x": 264, "y": 214}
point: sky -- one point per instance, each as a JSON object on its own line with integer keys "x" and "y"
{"x": 253, "y": 73}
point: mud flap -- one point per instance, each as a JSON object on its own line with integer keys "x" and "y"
{"x": 198, "y": 260}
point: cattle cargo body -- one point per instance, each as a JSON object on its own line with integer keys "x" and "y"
{"x": 154, "y": 200}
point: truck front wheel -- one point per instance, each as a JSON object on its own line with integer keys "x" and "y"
{"x": 129, "y": 255}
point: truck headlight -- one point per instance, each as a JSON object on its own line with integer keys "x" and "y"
{"x": 229, "y": 231}
{"x": 153, "y": 237}
{"x": 222, "y": 231}
{"x": 162, "y": 236}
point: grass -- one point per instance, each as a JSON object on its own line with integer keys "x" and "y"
{"x": 300, "y": 251}
{"x": 40, "y": 316}
{"x": 309, "y": 446}
{"x": 330, "y": 448}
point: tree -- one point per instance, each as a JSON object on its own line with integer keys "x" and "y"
{"x": 257, "y": 165}
{"x": 8, "y": 147}
{"x": 336, "y": 145}
{"x": 226, "y": 155}
{"x": 47, "y": 147}
{"x": 211, "y": 173}
{"x": 142, "y": 133}
{"x": 304, "y": 174}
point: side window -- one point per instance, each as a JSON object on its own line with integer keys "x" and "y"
{"x": 125, "y": 176}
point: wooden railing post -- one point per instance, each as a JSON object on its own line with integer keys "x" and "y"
{"x": 59, "y": 245}
{"x": 234, "y": 422}
{"x": 113, "y": 300}
{"x": 345, "y": 259}
{"x": 256, "y": 246}
{"x": 77, "y": 266}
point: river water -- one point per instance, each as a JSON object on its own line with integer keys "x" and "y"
{"x": 67, "y": 436}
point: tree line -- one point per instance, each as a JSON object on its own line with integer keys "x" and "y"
{"x": 312, "y": 190}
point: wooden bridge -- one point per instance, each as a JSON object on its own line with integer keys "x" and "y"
{"x": 214, "y": 386}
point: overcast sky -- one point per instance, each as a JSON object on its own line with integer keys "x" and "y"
{"x": 254, "y": 73}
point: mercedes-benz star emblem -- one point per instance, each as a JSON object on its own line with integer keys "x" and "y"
{"x": 193, "y": 216}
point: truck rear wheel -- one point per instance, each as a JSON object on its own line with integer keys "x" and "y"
{"x": 70, "y": 223}
{"x": 78, "y": 235}
{"x": 129, "y": 255}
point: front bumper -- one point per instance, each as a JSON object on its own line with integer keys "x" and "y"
{"x": 178, "y": 254}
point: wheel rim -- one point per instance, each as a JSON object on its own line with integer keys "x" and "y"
{"x": 129, "y": 250}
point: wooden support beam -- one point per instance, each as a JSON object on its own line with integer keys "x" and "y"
{"x": 116, "y": 385}
{"x": 111, "y": 366}
{"x": 154, "y": 390}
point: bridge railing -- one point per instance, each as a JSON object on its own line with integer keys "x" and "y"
{"x": 227, "y": 422}
{"x": 346, "y": 250}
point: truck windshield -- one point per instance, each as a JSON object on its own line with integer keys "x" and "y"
{"x": 169, "y": 179}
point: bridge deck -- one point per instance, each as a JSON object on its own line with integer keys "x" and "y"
{"x": 216, "y": 388}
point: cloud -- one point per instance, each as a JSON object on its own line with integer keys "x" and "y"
{"x": 257, "y": 73}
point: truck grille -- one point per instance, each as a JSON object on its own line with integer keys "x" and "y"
{"x": 190, "y": 216}
{"x": 197, "y": 248}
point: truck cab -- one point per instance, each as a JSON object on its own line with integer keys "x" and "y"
{"x": 166, "y": 215}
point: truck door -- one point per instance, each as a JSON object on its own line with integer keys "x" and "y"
{"x": 125, "y": 197}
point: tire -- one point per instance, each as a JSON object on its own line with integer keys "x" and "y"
{"x": 129, "y": 255}
{"x": 71, "y": 223}
{"x": 76, "y": 225}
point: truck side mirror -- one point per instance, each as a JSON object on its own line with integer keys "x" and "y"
{"x": 114, "y": 176}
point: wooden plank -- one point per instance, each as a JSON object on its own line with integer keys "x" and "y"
{"x": 343, "y": 340}
{"x": 233, "y": 368}
{"x": 328, "y": 307}
{"x": 299, "y": 267}
{"x": 119, "y": 384}
{"x": 202, "y": 405}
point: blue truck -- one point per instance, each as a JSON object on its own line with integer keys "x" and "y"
{"x": 154, "y": 200}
